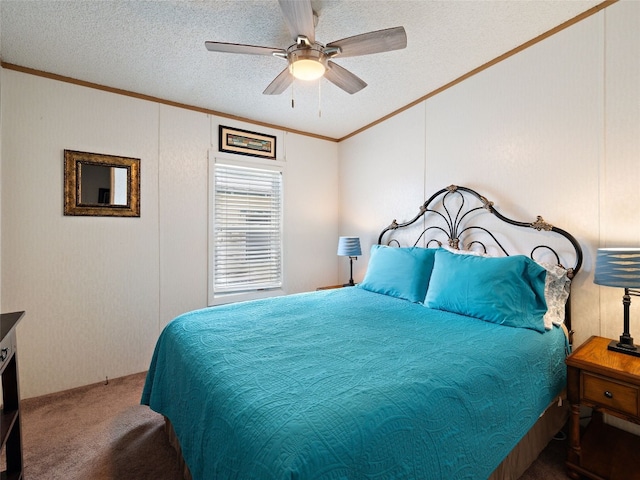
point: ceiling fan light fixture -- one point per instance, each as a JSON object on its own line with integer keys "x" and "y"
{"x": 307, "y": 62}
{"x": 307, "y": 69}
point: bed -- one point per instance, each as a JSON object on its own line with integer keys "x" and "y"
{"x": 446, "y": 362}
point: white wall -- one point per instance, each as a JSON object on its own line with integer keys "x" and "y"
{"x": 185, "y": 138}
{"x": 89, "y": 285}
{"x": 620, "y": 172}
{"x": 551, "y": 131}
{"x": 98, "y": 290}
{"x": 381, "y": 172}
{"x": 311, "y": 228}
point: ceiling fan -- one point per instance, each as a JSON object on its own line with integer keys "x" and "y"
{"x": 309, "y": 59}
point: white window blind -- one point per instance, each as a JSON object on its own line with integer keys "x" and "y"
{"x": 247, "y": 229}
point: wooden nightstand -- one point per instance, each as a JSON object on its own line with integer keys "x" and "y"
{"x": 608, "y": 382}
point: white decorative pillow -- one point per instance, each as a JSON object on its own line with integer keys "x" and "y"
{"x": 556, "y": 293}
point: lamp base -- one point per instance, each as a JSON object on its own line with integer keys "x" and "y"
{"x": 629, "y": 349}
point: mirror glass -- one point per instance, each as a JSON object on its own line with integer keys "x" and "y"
{"x": 101, "y": 185}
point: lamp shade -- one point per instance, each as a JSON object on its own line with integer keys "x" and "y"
{"x": 618, "y": 267}
{"x": 349, "y": 247}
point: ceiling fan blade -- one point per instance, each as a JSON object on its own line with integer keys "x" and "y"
{"x": 298, "y": 15}
{"x": 343, "y": 78}
{"x": 239, "y": 48}
{"x": 280, "y": 83}
{"x": 372, "y": 42}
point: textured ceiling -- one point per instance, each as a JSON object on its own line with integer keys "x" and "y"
{"x": 156, "y": 48}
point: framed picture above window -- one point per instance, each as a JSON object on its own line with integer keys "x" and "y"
{"x": 244, "y": 142}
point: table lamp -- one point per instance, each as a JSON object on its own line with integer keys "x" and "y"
{"x": 349, "y": 247}
{"x": 620, "y": 267}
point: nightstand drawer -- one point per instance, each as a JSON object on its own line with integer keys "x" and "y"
{"x": 607, "y": 393}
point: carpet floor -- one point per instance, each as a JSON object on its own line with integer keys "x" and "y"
{"x": 101, "y": 432}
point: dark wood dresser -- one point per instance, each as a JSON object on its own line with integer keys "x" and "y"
{"x": 10, "y": 432}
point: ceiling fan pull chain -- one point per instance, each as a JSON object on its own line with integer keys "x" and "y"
{"x": 292, "y": 84}
{"x": 320, "y": 98}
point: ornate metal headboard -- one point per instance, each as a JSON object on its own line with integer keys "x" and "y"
{"x": 451, "y": 217}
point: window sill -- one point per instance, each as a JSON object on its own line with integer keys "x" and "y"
{"x": 225, "y": 298}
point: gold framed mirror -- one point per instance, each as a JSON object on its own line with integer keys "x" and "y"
{"x": 101, "y": 185}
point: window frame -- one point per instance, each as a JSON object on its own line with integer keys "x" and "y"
{"x": 218, "y": 298}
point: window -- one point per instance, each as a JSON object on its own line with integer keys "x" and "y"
{"x": 247, "y": 228}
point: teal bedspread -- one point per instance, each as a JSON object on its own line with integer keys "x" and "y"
{"x": 349, "y": 384}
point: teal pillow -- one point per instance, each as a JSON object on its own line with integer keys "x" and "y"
{"x": 504, "y": 290}
{"x": 399, "y": 272}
